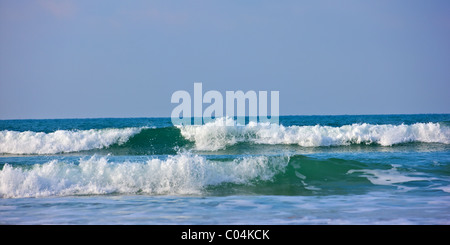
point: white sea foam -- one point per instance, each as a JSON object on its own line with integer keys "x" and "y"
{"x": 218, "y": 134}
{"x": 387, "y": 176}
{"x": 179, "y": 174}
{"x": 30, "y": 142}
{"x": 443, "y": 188}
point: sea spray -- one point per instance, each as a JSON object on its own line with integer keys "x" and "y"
{"x": 60, "y": 141}
{"x": 217, "y": 135}
{"x": 184, "y": 173}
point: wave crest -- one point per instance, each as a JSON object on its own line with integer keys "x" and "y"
{"x": 179, "y": 174}
{"x": 218, "y": 135}
{"x": 60, "y": 141}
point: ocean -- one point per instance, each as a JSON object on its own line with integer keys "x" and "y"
{"x": 349, "y": 169}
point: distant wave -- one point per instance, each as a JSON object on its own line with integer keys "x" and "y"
{"x": 214, "y": 136}
{"x": 60, "y": 141}
{"x": 218, "y": 135}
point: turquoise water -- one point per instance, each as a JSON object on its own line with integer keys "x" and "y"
{"x": 372, "y": 169}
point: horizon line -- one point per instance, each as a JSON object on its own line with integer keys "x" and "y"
{"x": 289, "y": 115}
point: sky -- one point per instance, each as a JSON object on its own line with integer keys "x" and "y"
{"x": 91, "y": 59}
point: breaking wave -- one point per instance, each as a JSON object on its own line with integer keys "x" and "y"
{"x": 218, "y": 134}
{"x": 191, "y": 174}
{"x": 179, "y": 174}
{"x": 61, "y": 141}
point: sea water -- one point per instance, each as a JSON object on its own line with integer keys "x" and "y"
{"x": 364, "y": 169}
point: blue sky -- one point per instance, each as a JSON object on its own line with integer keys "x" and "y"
{"x": 68, "y": 59}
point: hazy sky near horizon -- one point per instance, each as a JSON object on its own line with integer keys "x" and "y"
{"x": 68, "y": 59}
